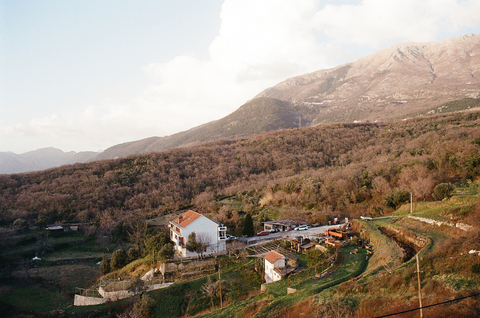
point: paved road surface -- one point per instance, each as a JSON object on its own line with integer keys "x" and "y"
{"x": 278, "y": 235}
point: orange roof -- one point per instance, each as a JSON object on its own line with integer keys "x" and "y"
{"x": 273, "y": 256}
{"x": 186, "y": 218}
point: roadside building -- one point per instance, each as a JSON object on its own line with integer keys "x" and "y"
{"x": 281, "y": 225}
{"x": 212, "y": 233}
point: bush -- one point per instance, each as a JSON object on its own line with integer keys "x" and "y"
{"x": 119, "y": 259}
{"x": 395, "y": 198}
{"x": 443, "y": 191}
{"x": 475, "y": 268}
{"x": 133, "y": 253}
{"x": 20, "y": 224}
{"x": 105, "y": 266}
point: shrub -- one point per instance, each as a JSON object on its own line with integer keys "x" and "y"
{"x": 133, "y": 253}
{"x": 144, "y": 307}
{"x": 119, "y": 259}
{"x": 475, "y": 268}
{"x": 105, "y": 266}
{"x": 395, "y": 198}
{"x": 20, "y": 224}
{"x": 443, "y": 191}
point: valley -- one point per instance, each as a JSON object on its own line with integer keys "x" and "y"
{"x": 311, "y": 175}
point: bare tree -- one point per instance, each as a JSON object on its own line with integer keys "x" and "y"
{"x": 203, "y": 241}
{"x": 44, "y": 244}
{"x": 137, "y": 233}
{"x": 105, "y": 229}
{"x": 236, "y": 248}
{"x": 210, "y": 288}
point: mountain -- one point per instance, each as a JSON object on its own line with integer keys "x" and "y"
{"x": 402, "y": 81}
{"x": 41, "y": 159}
{"x": 405, "y": 80}
{"x": 259, "y": 115}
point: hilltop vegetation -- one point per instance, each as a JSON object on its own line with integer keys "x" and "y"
{"x": 318, "y": 172}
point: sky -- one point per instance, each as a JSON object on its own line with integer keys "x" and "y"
{"x": 87, "y": 75}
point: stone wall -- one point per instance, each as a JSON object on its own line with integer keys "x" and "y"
{"x": 174, "y": 267}
{"x": 461, "y": 226}
{"x": 88, "y": 301}
{"x": 115, "y": 295}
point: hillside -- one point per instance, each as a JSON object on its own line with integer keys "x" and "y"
{"x": 256, "y": 116}
{"x": 312, "y": 174}
{"x": 403, "y": 81}
{"x": 341, "y": 169}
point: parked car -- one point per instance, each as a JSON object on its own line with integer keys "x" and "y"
{"x": 301, "y": 228}
{"x": 231, "y": 238}
{"x": 263, "y": 233}
{"x": 272, "y": 230}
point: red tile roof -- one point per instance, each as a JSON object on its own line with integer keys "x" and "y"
{"x": 186, "y": 218}
{"x": 273, "y": 256}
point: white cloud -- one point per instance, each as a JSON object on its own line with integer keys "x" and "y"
{"x": 376, "y": 22}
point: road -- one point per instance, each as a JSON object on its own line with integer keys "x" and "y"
{"x": 278, "y": 235}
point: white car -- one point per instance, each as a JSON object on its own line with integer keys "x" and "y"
{"x": 301, "y": 228}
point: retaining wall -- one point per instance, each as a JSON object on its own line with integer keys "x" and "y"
{"x": 88, "y": 301}
{"x": 461, "y": 226}
{"x": 173, "y": 267}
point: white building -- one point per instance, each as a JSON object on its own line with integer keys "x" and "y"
{"x": 212, "y": 232}
{"x": 275, "y": 267}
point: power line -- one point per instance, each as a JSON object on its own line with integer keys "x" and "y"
{"x": 423, "y": 307}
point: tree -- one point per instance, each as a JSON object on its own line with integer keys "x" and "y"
{"x": 44, "y": 244}
{"x": 119, "y": 259}
{"x": 137, "y": 234}
{"x": 105, "y": 229}
{"x": 442, "y": 191}
{"x": 198, "y": 243}
{"x": 210, "y": 289}
{"x": 160, "y": 245}
{"x": 192, "y": 245}
{"x": 166, "y": 252}
{"x": 20, "y": 224}
{"x": 133, "y": 253}
{"x": 203, "y": 241}
{"x": 155, "y": 243}
{"x": 105, "y": 266}
{"x": 145, "y": 307}
{"x": 395, "y": 198}
{"x": 314, "y": 257}
{"x": 248, "y": 229}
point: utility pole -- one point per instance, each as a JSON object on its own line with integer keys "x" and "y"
{"x": 419, "y": 287}
{"x": 220, "y": 285}
{"x": 411, "y": 202}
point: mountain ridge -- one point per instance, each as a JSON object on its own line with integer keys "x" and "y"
{"x": 41, "y": 159}
{"x": 402, "y": 81}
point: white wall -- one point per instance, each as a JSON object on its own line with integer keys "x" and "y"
{"x": 207, "y": 227}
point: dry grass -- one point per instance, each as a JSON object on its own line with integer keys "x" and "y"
{"x": 255, "y": 307}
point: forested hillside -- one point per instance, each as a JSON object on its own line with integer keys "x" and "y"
{"x": 335, "y": 169}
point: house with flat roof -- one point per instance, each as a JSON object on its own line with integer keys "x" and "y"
{"x": 214, "y": 234}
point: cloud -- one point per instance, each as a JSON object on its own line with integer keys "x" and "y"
{"x": 376, "y": 22}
